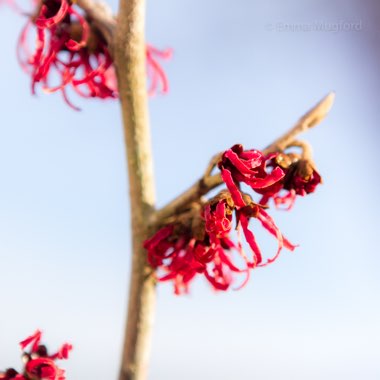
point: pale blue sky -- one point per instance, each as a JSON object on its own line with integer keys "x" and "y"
{"x": 236, "y": 77}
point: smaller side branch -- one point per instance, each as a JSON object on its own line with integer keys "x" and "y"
{"x": 209, "y": 182}
{"x": 306, "y": 122}
{"x": 199, "y": 188}
{"x": 306, "y": 149}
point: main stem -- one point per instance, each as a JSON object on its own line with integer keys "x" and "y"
{"x": 129, "y": 58}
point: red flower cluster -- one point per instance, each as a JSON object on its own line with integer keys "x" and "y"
{"x": 39, "y": 365}
{"x": 72, "y": 52}
{"x": 277, "y": 176}
{"x": 203, "y": 244}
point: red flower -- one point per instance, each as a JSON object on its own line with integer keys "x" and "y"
{"x": 247, "y": 166}
{"x": 179, "y": 257}
{"x": 300, "y": 178}
{"x": 256, "y": 211}
{"x": 44, "y": 368}
{"x": 71, "y": 50}
{"x": 277, "y": 176}
{"x": 169, "y": 253}
{"x": 67, "y": 50}
{"x": 250, "y": 167}
{"x": 33, "y": 341}
{"x": 63, "y": 352}
{"x": 200, "y": 243}
{"x": 156, "y": 73}
{"x": 39, "y": 365}
{"x": 218, "y": 218}
{"x": 181, "y": 251}
{"x": 11, "y": 374}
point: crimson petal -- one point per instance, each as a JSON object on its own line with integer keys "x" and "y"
{"x": 43, "y": 22}
{"x": 235, "y": 192}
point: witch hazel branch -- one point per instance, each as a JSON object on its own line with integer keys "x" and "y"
{"x": 78, "y": 48}
{"x": 194, "y": 236}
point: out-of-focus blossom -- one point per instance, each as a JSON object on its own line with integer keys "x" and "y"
{"x": 158, "y": 80}
{"x": 204, "y": 245}
{"x": 39, "y": 365}
{"x": 71, "y": 52}
{"x": 11, "y": 374}
{"x": 180, "y": 257}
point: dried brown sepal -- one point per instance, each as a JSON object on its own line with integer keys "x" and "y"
{"x": 285, "y": 160}
{"x": 223, "y": 195}
{"x": 76, "y": 31}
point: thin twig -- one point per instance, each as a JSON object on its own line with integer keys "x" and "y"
{"x": 209, "y": 182}
{"x": 307, "y": 150}
{"x": 213, "y": 162}
{"x": 307, "y": 121}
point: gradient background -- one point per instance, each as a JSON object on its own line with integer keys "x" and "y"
{"x": 236, "y": 76}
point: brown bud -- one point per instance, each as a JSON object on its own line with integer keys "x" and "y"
{"x": 284, "y": 160}
{"x": 304, "y": 169}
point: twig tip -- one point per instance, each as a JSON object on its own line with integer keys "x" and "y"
{"x": 318, "y": 112}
